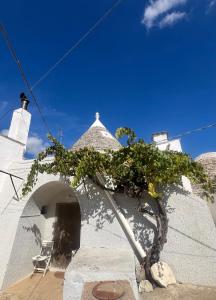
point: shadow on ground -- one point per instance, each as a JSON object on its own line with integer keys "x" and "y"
{"x": 36, "y": 287}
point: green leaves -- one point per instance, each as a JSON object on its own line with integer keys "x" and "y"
{"x": 135, "y": 169}
{"x": 124, "y": 131}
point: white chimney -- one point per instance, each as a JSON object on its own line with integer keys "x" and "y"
{"x": 20, "y": 123}
{"x": 160, "y": 137}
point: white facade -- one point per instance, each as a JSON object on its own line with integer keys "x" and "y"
{"x": 191, "y": 247}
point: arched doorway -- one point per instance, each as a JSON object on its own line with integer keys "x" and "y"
{"x": 52, "y": 208}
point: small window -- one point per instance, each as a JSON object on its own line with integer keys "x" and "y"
{"x": 44, "y": 210}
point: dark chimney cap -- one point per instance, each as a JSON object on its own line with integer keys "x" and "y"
{"x": 24, "y": 101}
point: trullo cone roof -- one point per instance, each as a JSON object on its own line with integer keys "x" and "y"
{"x": 97, "y": 137}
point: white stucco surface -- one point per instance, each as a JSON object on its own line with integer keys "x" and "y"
{"x": 190, "y": 251}
{"x": 10, "y": 150}
{"x": 98, "y": 264}
{"x": 19, "y": 127}
{"x": 26, "y": 244}
{"x": 105, "y": 251}
{"x": 191, "y": 246}
{"x": 11, "y": 209}
{"x": 99, "y": 226}
{"x": 191, "y": 242}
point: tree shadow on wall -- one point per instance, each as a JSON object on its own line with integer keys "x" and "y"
{"x": 94, "y": 206}
{"x": 97, "y": 211}
{"x": 36, "y": 231}
{"x": 143, "y": 226}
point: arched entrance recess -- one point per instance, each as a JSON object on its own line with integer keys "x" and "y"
{"x": 51, "y": 213}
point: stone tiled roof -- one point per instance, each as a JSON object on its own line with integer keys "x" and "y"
{"x": 97, "y": 137}
{"x": 209, "y": 156}
{"x": 208, "y": 161}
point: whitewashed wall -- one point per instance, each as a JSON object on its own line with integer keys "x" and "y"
{"x": 191, "y": 242}
{"x": 11, "y": 210}
{"x": 27, "y": 244}
{"x": 10, "y": 150}
{"x": 191, "y": 246}
{"x": 32, "y": 228}
{"x": 191, "y": 238}
{"x": 99, "y": 226}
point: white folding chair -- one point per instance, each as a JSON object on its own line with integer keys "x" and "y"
{"x": 41, "y": 262}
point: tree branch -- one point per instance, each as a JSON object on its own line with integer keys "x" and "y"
{"x": 96, "y": 181}
{"x": 146, "y": 211}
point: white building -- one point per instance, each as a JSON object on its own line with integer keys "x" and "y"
{"x": 93, "y": 222}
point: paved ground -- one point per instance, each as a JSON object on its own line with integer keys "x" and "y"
{"x": 98, "y": 264}
{"x": 181, "y": 292}
{"x": 36, "y": 287}
{"x": 50, "y": 288}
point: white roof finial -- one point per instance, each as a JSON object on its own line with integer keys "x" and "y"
{"x": 97, "y": 122}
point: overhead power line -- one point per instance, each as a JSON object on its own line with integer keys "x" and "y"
{"x": 77, "y": 44}
{"x": 17, "y": 61}
{"x": 187, "y": 133}
{"x": 5, "y": 114}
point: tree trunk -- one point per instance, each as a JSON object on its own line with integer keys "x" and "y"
{"x": 160, "y": 238}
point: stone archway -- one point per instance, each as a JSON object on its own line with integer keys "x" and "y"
{"x": 37, "y": 223}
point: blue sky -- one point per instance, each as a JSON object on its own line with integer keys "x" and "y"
{"x": 150, "y": 66}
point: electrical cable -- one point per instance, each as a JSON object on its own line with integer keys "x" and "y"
{"x": 187, "y": 133}
{"x": 76, "y": 45}
{"x": 5, "y": 114}
{"x": 17, "y": 61}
